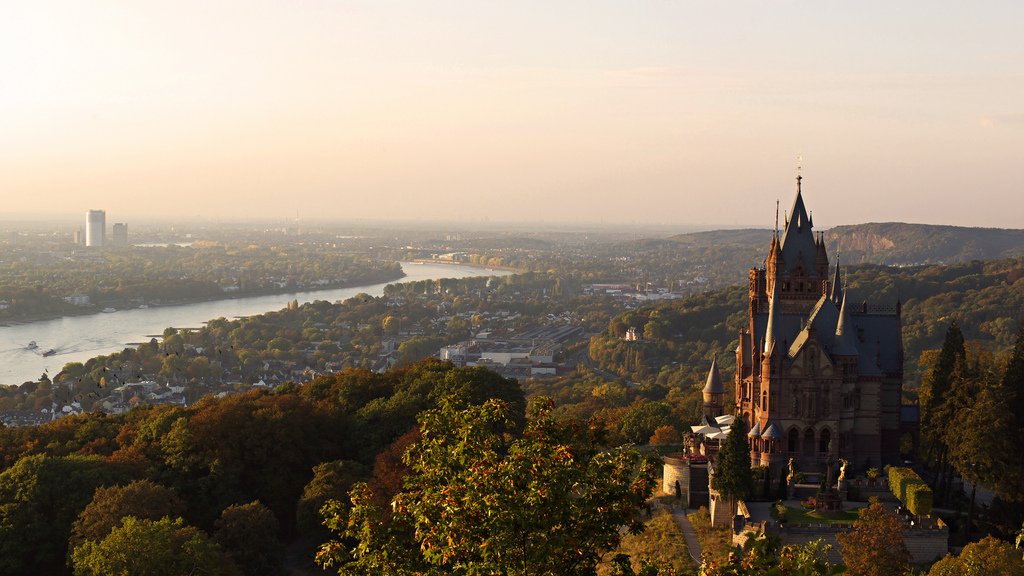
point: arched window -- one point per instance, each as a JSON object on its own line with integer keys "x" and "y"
{"x": 764, "y": 400}
{"x": 825, "y": 441}
{"x": 794, "y": 440}
{"x": 809, "y": 441}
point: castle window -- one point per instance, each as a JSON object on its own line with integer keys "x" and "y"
{"x": 764, "y": 400}
{"x": 794, "y": 440}
{"x": 809, "y": 441}
{"x": 825, "y": 442}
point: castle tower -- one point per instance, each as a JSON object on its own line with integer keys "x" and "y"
{"x": 815, "y": 379}
{"x": 714, "y": 392}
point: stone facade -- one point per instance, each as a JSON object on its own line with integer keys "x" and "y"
{"x": 817, "y": 377}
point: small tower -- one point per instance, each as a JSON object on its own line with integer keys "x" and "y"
{"x": 714, "y": 392}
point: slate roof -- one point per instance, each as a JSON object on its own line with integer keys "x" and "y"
{"x": 874, "y": 336}
{"x": 714, "y": 383}
{"x": 797, "y": 243}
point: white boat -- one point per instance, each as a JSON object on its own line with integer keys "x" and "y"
{"x": 108, "y": 310}
{"x": 32, "y": 345}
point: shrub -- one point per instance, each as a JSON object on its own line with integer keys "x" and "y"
{"x": 919, "y": 499}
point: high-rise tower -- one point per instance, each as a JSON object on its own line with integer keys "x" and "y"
{"x": 95, "y": 227}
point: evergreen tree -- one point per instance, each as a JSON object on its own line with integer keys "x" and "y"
{"x": 733, "y": 478}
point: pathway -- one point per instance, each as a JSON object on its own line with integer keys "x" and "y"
{"x": 692, "y": 543}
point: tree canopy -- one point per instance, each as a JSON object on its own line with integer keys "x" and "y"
{"x": 480, "y": 499}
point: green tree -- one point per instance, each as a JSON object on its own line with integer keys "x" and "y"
{"x": 1010, "y": 484}
{"x": 248, "y": 534}
{"x": 762, "y": 556}
{"x": 987, "y": 557}
{"x": 156, "y": 548}
{"x": 143, "y": 499}
{"x": 40, "y": 496}
{"x": 875, "y": 546}
{"x": 733, "y": 478}
{"x": 331, "y": 480}
{"x": 479, "y": 500}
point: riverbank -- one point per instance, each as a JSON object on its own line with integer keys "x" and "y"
{"x": 226, "y": 296}
{"x": 79, "y": 338}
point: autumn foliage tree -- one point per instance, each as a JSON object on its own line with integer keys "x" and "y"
{"x": 875, "y": 546}
{"x": 481, "y": 499}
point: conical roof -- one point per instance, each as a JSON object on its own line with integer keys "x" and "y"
{"x": 772, "y": 330}
{"x": 771, "y": 432}
{"x": 797, "y": 244}
{"x": 837, "y": 288}
{"x": 845, "y": 341}
{"x": 714, "y": 384}
{"x": 756, "y": 430}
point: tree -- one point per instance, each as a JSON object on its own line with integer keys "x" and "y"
{"x": 143, "y": 499}
{"x": 480, "y": 500}
{"x": 40, "y": 496}
{"x": 665, "y": 435}
{"x": 733, "y": 478}
{"x": 248, "y": 534}
{"x": 643, "y": 418}
{"x": 156, "y": 548}
{"x": 875, "y": 546}
{"x": 1011, "y": 478}
{"x": 762, "y": 556}
{"x": 987, "y": 557}
{"x": 331, "y": 480}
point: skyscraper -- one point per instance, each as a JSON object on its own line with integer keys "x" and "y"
{"x": 119, "y": 235}
{"x": 95, "y": 227}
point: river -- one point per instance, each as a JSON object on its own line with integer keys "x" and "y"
{"x": 78, "y": 338}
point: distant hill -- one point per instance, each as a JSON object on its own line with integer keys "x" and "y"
{"x": 906, "y": 244}
{"x": 891, "y": 243}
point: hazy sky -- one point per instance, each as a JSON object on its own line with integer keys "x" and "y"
{"x": 654, "y": 111}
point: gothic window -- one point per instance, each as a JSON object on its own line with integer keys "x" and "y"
{"x": 794, "y": 440}
{"x": 764, "y": 400}
{"x": 809, "y": 441}
{"x": 825, "y": 441}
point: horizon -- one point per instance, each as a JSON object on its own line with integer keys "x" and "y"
{"x": 586, "y": 113}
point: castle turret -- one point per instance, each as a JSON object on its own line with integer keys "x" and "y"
{"x": 714, "y": 392}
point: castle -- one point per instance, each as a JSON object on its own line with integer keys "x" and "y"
{"x": 818, "y": 377}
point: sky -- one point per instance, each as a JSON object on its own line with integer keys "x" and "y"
{"x": 650, "y": 112}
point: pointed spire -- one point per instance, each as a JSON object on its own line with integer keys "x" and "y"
{"x": 837, "y": 290}
{"x": 772, "y": 331}
{"x": 844, "y": 342}
{"x": 714, "y": 382}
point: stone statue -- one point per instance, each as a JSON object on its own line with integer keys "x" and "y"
{"x": 842, "y": 474}
{"x": 792, "y": 473}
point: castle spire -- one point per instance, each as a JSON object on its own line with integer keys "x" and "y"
{"x": 772, "y": 331}
{"x": 844, "y": 343}
{"x": 714, "y": 383}
{"x": 837, "y": 295}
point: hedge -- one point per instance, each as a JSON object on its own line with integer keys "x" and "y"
{"x": 911, "y": 490}
{"x": 919, "y": 499}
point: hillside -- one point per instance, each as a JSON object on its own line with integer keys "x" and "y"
{"x": 680, "y": 336}
{"x": 891, "y": 243}
{"x": 897, "y": 243}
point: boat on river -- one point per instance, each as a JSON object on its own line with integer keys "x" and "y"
{"x": 49, "y": 352}
{"x": 32, "y": 345}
